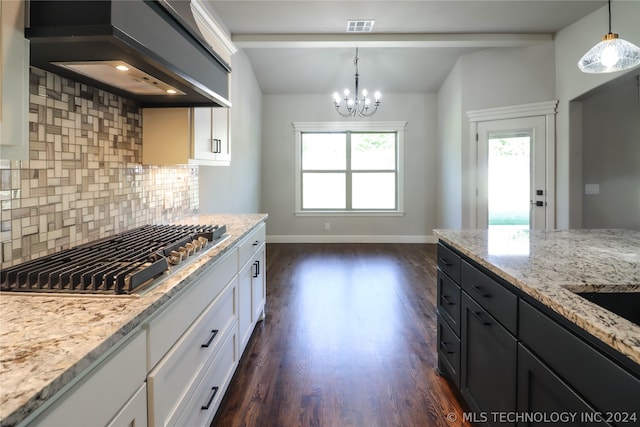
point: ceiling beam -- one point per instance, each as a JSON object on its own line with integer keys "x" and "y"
{"x": 418, "y": 40}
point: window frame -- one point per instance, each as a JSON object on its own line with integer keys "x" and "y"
{"x": 328, "y": 127}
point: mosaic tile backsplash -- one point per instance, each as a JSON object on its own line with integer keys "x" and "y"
{"x": 84, "y": 179}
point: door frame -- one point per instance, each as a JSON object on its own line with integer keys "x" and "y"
{"x": 548, "y": 109}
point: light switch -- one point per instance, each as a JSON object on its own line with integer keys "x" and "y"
{"x": 592, "y": 189}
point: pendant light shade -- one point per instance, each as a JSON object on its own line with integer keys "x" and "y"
{"x": 610, "y": 55}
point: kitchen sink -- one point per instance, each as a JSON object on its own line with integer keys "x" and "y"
{"x": 624, "y": 304}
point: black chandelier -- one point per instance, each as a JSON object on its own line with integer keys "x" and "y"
{"x": 363, "y": 107}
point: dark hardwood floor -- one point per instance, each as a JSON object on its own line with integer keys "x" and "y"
{"x": 349, "y": 340}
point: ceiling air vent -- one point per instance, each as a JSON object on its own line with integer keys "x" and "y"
{"x": 360, "y": 26}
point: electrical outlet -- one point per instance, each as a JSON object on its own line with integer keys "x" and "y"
{"x": 592, "y": 189}
{"x": 327, "y": 226}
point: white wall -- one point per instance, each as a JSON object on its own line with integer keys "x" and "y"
{"x": 450, "y": 136}
{"x": 279, "y": 111}
{"x": 237, "y": 188}
{"x": 484, "y": 79}
{"x": 611, "y": 156}
{"x": 571, "y": 43}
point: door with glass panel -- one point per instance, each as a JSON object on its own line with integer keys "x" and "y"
{"x": 512, "y": 188}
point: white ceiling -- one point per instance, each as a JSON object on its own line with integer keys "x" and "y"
{"x": 301, "y": 46}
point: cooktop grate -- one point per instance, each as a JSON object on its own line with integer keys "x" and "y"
{"x": 120, "y": 264}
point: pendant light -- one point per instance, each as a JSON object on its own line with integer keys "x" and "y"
{"x": 610, "y": 55}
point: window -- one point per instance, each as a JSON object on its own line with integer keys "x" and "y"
{"x": 349, "y": 168}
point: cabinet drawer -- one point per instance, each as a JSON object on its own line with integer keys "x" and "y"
{"x": 607, "y": 386}
{"x": 88, "y": 403}
{"x": 449, "y": 262}
{"x": 250, "y": 244}
{"x": 165, "y": 329}
{"x": 205, "y": 401}
{"x": 449, "y": 301}
{"x": 448, "y": 352}
{"x": 495, "y": 298}
{"x": 176, "y": 373}
{"x": 134, "y": 413}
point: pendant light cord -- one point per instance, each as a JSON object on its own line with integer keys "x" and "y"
{"x": 609, "y": 16}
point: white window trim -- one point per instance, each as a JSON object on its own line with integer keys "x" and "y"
{"x": 300, "y": 127}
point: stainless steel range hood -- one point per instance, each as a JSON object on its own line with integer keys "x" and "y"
{"x": 139, "y": 49}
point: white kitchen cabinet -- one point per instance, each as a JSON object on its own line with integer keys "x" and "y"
{"x": 108, "y": 393}
{"x": 204, "y": 402}
{"x": 14, "y": 82}
{"x": 169, "y": 325}
{"x": 134, "y": 413}
{"x": 198, "y": 136}
{"x": 252, "y": 283}
{"x": 211, "y": 140}
{"x": 176, "y": 377}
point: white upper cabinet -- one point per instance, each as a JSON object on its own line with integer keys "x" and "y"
{"x": 14, "y": 82}
{"x": 173, "y": 136}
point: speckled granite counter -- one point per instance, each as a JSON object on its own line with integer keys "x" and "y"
{"x": 45, "y": 341}
{"x": 551, "y": 265}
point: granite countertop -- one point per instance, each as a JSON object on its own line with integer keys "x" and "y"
{"x": 551, "y": 265}
{"x": 46, "y": 340}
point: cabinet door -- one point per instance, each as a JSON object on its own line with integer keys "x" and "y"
{"x": 258, "y": 285}
{"x": 204, "y": 146}
{"x": 166, "y": 136}
{"x": 221, "y": 134}
{"x": 541, "y": 391}
{"x": 488, "y": 363}
{"x": 14, "y": 82}
{"x": 245, "y": 323}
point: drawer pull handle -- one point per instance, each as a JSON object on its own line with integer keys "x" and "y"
{"x": 481, "y": 291}
{"x": 214, "y": 332}
{"x": 206, "y": 407}
{"x": 257, "y": 271}
{"x": 447, "y": 300}
{"x": 480, "y": 316}
{"x": 446, "y": 348}
{"x": 256, "y": 243}
{"x": 445, "y": 262}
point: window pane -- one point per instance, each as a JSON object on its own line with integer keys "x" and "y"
{"x": 324, "y": 151}
{"x": 374, "y": 190}
{"x": 323, "y": 191}
{"x": 370, "y": 151}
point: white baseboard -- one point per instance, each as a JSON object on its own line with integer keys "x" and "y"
{"x": 350, "y": 239}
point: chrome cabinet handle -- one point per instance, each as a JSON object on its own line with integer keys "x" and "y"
{"x": 214, "y": 332}
{"x": 208, "y": 404}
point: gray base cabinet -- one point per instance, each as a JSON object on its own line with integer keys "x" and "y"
{"x": 540, "y": 390}
{"x": 488, "y": 362}
{"x": 516, "y": 361}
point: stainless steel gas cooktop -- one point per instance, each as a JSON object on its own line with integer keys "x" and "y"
{"x": 125, "y": 263}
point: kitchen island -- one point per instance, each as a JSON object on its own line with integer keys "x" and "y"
{"x": 513, "y": 325}
{"x": 48, "y": 341}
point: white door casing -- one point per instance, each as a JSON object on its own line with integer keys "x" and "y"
{"x": 539, "y": 120}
